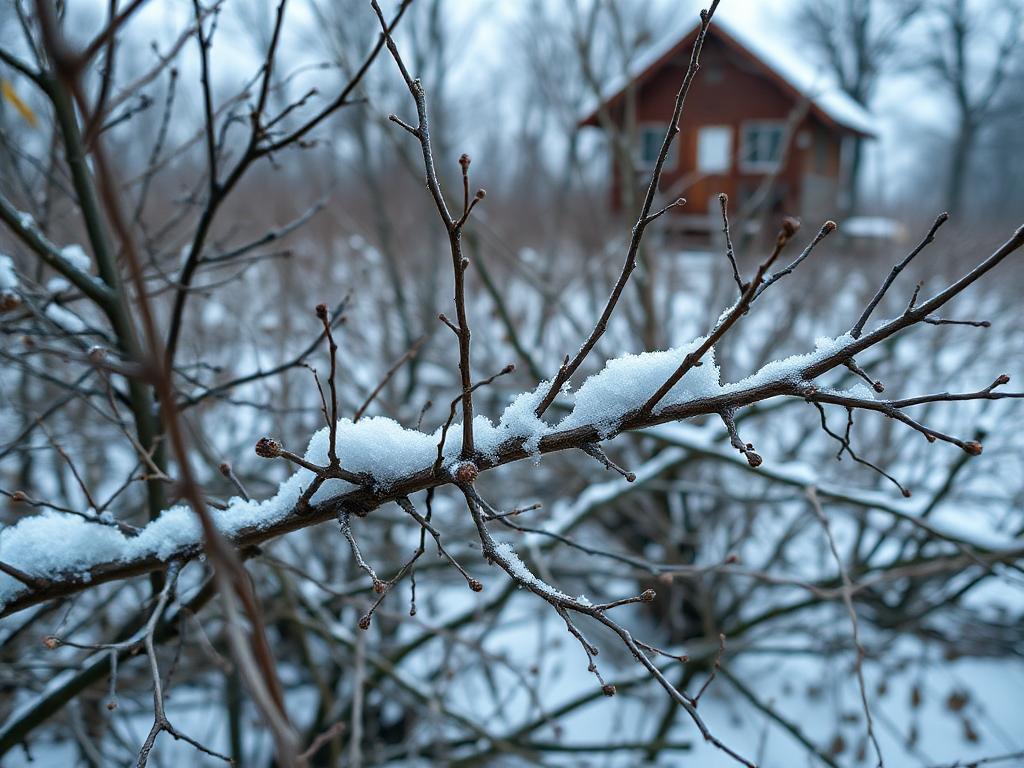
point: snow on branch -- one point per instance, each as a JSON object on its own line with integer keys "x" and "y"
{"x": 66, "y": 553}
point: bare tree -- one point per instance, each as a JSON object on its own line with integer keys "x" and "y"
{"x": 857, "y": 41}
{"x": 971, "y": 51}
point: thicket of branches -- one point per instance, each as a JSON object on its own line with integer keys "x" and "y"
{"x": 141, "y": 366}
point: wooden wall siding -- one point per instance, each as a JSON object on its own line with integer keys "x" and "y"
{"x": 731, "y": 90}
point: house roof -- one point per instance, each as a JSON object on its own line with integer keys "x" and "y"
{"x": 793, "y": 72}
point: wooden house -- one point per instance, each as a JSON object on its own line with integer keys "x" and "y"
{"x": 759, "y": 123}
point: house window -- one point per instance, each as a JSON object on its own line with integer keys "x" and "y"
{"x": 714, "y": 149}
{"x": 762, "y": 145}
{"x": 651, "y": 138}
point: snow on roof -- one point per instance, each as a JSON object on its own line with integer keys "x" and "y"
{"x": 778, "y": 56}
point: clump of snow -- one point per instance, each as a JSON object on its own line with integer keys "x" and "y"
{"x": 66, "y": 319}
{"x": 57, "y": 284}
{"x": 627, "y": 382}
{"x": 517, "y": 421}
{"x": 8, "y": 279}
{"x": 860, "y": 390}
{"x": 790, "y": 368}
{"x": 377, "y": 446}
{"x": 529, "y": 256}
{"x": 508, "y": 555}
{"x": 57, "y": 545}
{"x": 53, "y": 542}
{"x": 77, "y": 257}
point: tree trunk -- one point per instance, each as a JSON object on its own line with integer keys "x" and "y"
{"x": 961, "y": 152}
{"x": 853, "y": 177}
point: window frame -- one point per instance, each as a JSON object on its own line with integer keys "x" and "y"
{"x": 645, "y": 128}
{"x": 760, "y": 166}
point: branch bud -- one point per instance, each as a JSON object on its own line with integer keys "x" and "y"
{"x": 466, "y": 473}
{"x": 267, "y": 448}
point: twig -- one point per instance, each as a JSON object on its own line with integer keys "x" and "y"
{"x": 826, "y": 229}
{"x": 595, "y": 450}
{"x": 717, "y": 665}
{"x": 747, "y": 449}
{"x": 229, "y": 473}
{"x": 692, "y": 359}
{"x": 812, "y": 496}
{"x": 453, "y": 226}
{"x": 730, "y": 253}
{"x": 332, "y": 419}
{"x": 409, "y": 355}
{"x": 344, "y": 518}
{"x": 858, "y": 327}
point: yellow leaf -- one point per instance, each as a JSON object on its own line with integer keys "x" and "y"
{"x": 12, "y": 96}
